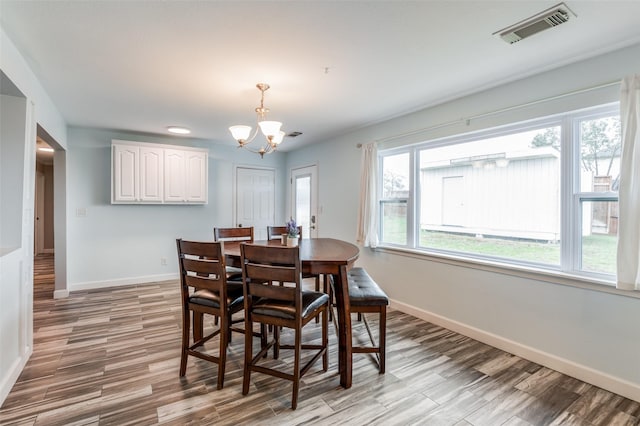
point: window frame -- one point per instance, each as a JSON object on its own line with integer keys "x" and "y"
{"x": 571, "y": 198}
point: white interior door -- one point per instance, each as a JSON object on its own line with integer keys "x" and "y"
{"x": 304, "y": 196}
{"x": 255, "y": 199}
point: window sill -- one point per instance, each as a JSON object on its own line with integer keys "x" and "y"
{"x": 553, "y": 277}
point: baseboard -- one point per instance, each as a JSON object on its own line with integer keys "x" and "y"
{"x": 7, "y": 382}
{"x": 60, "y": 294}
{"x": 92, "y": 285}
{"x": 586, "y": 374}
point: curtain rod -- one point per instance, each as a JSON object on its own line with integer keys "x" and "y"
{"x": 467, "y": 120}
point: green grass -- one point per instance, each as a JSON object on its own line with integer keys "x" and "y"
{"x": 598, "y": 251}
{"x": 511, "y": 249}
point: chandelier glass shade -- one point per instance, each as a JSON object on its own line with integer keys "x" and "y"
{"x": 270, "y": 129}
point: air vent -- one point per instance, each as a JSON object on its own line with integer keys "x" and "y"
{"x": 294, "y": 134}
{"x": 558, "y": 14}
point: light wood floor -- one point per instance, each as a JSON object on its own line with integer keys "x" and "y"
{"x": 111, "y": 357}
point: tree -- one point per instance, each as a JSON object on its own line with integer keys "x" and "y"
{"x": 550, "y": 137}
{"x": 392, "y": 183}
{"x": 599, "y": 143}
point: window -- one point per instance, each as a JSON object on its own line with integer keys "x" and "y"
{"x": 599, "y": 152}
{"x": 541, "y": 193}
{"x": 395, "y": 196}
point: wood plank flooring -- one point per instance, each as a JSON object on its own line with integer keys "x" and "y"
{"x": 111, "y": 357}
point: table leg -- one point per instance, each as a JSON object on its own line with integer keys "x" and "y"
{"x": 341, "y": 291}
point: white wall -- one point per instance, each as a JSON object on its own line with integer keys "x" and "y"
{"x": 16, "y": 267}
{"x": 123, "y": 244}
{"x": 592, "y": 335}
{"x": 12, "y": 136}
{"x": 16, "y": 68}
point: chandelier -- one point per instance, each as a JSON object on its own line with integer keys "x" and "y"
{"x": 270, "y": 129}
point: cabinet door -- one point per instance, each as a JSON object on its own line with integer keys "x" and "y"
{"x": 196, "y": 176}
{"x": 151, "y": 174}
{"x": 174, "y": 176}
{"x": 125, "y": 173}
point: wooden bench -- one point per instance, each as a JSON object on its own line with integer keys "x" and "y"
{"x": 365, "y": 296}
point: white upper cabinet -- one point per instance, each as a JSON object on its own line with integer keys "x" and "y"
{"x": 158, "y": 174}
{"x": 174, "y": 176}
{"x": 125, "y": 170}
{"x": 196, "y": 176}
{"x": 151, "y": 171}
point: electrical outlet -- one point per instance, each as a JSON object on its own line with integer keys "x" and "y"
{"x": 163, "y": 261}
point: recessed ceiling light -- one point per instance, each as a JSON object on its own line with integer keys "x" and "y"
{"x": 46, "y": 149}
{"x": 178, "y": 130}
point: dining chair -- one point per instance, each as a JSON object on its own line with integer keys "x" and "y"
{"x": 243, "y": 234}
{"x": 274, "y": 233}
{"x": 204, "y": 290}
{"x": 287, "y": 306}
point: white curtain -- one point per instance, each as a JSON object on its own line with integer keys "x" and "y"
{"x": 367, "y": 222}
{"x": 629, "y": 189}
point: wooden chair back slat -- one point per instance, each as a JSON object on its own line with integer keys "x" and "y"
{"x": 202, "y": 266}
{"x": 287, "y": 294}
{"x": 233, "y": 234}
{"x": 202, "y": 283}
{"x": 259, "y": 272}
{"x": 275, "y": 232}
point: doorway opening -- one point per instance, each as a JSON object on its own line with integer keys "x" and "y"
{"x": 49, "y": 248}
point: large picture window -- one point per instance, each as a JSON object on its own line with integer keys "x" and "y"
{"x": 542, "y": 194}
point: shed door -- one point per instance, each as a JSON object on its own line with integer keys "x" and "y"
{"x": 453, "y": 201}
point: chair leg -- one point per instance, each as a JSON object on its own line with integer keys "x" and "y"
{"x": 329, "y": 290}
{"x": 317, "y": 287}
{"x": 296, "y": 369}
{"x": 383, "y": 337}
{"x": 248, "y": 353}
{"x": 186, "y": 325}
{"x": 222, "y": 357}
{"x": 198, "y": 326}
{"x": 263, "y": 338}
{"x": 276, "y": 345}
{"x": 325, "y": 338}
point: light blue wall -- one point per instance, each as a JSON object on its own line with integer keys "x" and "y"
{"x": 590, "y": 334}
{"x": 120, "y": 244}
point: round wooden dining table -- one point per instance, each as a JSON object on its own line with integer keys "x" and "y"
{"x": 326, "y": 256}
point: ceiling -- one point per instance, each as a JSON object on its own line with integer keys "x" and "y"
{"x": 333, "y": 66}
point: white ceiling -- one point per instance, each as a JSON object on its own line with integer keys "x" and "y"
{"x": 333, "y": 66}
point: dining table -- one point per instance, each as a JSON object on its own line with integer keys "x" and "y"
{"x": 322, "y": 256}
